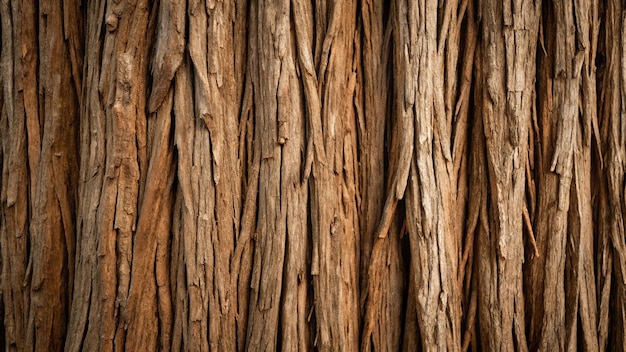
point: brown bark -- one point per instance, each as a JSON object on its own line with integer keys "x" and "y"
{"x": 611, "y": 261}
{"x": 425, "y": 167}
{"x": 561, "y": 281}
{"x": 506, "y": 77}
{"x": 312, "y": 175}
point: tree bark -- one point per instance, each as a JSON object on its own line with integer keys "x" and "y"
{"x": 505, "y": 97}
{"x": 312, "y": 175}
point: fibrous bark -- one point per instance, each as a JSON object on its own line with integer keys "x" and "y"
{"x": 506, "y": 79}
{"x": 312, "y": 175}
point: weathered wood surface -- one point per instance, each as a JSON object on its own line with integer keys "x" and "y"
{"x": 437, "y": 175}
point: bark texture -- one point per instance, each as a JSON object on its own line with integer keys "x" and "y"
{"x": 210, "y": 175}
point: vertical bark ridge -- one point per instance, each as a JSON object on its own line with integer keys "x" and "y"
{"x": 113, "y": 136}
{"x": 565, "y": 84}
{"x": 20, "y": 118}
{"x": 424, "y": 149}
{"x": 611, "y": 261}
{"x": 92, "y": 149}
{"x": 191, "y": 303}
{"x": 582, "y": 317}
{"x": 509, "y": 35}
{"x": 278, "y": 269}
{"x": 52, "y": 221}
{"x": 217, "y": 104}
{"x": 148, "y": 312}
{"x": 334, "y": 185}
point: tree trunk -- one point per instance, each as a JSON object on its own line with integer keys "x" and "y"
{"x": 437, "y": 175}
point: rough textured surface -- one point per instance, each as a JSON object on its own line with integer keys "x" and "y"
{"x": 438, "y": 175}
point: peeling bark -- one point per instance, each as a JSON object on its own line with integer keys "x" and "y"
{"x": 312, "y": 175}
{"x": 508, "y": 45}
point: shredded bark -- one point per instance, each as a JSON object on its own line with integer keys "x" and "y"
{"x": 437, "y": 175}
